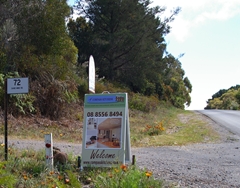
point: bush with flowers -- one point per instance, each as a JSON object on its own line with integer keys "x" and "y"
{"x": 154, "y": 129}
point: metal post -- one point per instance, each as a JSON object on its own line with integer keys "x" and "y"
{"x": 5, "y": 118}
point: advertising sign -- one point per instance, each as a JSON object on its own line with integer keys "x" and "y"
{"x": 106, "y": 137}
{"x": 91, "y": 73}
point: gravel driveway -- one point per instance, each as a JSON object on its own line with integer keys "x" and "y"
{"x": 198, "y": 165}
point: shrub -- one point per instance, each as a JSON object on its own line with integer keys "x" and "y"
{"x": 82, "y": 89}
{"x": 52, "y": 95}
{"x": 143, "y": 103}
{"x": 156, "y": 129}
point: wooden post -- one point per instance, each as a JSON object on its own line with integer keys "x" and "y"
{"x": 133, "y": 160}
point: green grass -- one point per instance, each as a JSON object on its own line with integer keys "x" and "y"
{"x": 27, "y": 169}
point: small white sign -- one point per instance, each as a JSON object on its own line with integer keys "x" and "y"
{"x": 91, "y": 74}
{"x": 17, "y": 85}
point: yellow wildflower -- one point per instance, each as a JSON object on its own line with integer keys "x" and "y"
{"x": 148, "y": 174}
{"x": 25, "y": 177}
{"x": 116, "y": 170}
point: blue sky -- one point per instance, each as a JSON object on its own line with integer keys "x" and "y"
{"x": 207, "y": 32}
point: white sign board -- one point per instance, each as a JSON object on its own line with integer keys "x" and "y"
{"x": 17, "y": 85}
{"x": 106, "y": 133}
{"x": 91, "y": 67}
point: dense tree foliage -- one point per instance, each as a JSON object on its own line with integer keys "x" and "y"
{"x": 126, "y": 39}
{"x": 35, "y": 43}
{"x": 228, "y": 99}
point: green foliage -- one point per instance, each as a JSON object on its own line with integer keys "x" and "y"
{"x": 3, "y": 60}
{"x": 238, "y": 96}
{"x": 21, "y": 104}
{"x": 44, "y": 44}
{"x": 228, "y": 99}
{"x": 7, "y": 179}
{"x": 125, "y": 177}
{"x": 129, "y": 47}
{"x": 143, "y": 103}
{"x": 33, "y": 42}
{"x": 82, "y": 88}
{"x": 175, "y": 87}
{"x": 126, "y": 39}
{"x": 27, "y": 168}
{"x": 42, "y": 25}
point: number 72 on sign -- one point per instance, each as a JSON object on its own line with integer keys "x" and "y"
{"x": 17, "y": 85}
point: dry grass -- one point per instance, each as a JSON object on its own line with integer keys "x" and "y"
{"x": 180, "y": 127}
{"x": 67, "y": 129}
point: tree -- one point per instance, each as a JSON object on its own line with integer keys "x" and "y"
{"x": 177, "y": 88}
{"x": 46, "y": 37}
{"x": 34, "y": 36}
{"x": 81, "y": 34}
{"x": 225, "y": 99}
{"x": 124, "y": 36}
{"x": 126, "y": 39}
{"x": 35, "y": 42}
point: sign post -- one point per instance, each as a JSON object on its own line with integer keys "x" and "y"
{"x": 49, "y": 151}
{"x": 12, "y": 86}
{"x": 6, "y": 120}
{"x": 106, "y": 136}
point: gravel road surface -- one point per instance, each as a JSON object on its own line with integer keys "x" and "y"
{"x": 198, "y": 165}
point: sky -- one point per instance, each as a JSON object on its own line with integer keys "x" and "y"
{"x": 208, "y": 33}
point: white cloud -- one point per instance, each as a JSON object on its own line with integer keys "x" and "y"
{"x": 180, "y": 28}
{"x": 195, "y": 13}
{"x": 222, "y": 11}
{"x": 180, "y": 3}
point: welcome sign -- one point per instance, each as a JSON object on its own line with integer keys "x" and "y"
{"x": 106, "y": 135}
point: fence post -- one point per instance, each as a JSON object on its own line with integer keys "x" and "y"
{"x": 49, "y": 151}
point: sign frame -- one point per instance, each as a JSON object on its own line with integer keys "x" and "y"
{"x": 106, "y": 133}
